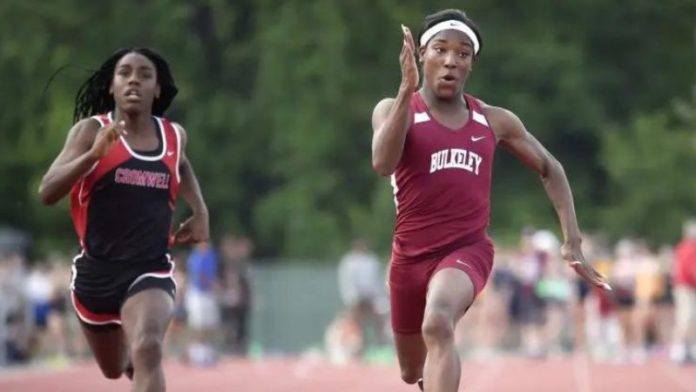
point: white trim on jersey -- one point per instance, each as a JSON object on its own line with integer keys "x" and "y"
{"x": 395, "y": 186}
{"x": 94, "y": 166}
{"x": 161, "y": 275}
{"x": 177, "y": 131}
{"x": 74, "y": 269}
{"x": 145, "y": 157}
{"x": 99, "y": 120}
{"x": 420, "y": 117}
{"x": 82, "y": 188}
{"x": 479, "y": 118}
{"x": 89, "y": 321}
{"x": 91, "y": 169}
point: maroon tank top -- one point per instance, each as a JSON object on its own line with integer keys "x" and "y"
{"x": 442, "y": 183}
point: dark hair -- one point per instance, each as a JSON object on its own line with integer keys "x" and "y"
{"x": 451, "y": 14}
{"x": 93, "y": 97}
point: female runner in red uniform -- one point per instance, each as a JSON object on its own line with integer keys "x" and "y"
{"x": 437, "y": 144}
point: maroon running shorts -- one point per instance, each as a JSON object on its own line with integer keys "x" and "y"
{"x": 408, "y": 280}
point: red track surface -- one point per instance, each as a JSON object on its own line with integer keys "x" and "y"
{"x": 507, "y": 374}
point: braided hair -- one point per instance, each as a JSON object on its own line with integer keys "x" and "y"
{"x": 94, "y": 97}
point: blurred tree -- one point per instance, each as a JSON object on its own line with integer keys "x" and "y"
{"x": 277, "y": 98}
{"x": 652, "y": 164}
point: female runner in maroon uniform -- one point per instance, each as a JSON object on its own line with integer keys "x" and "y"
{"x": 123, "y": 166}
{"x": 437, "y": 144}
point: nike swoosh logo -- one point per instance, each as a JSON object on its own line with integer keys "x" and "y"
{"x": 477, "y": 138}
{"x": 170, "y": 153}
{"x": 463, "y": 263}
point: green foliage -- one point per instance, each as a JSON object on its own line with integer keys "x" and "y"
{"x": 277, "y": 98}
{"x": 652, "y": 165}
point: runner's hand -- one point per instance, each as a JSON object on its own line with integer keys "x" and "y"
{"x": 409, "y": 69}
{"x": 193, "y": 230}
{"x": 106, "y": 137}
{"x": 573, "y": 255}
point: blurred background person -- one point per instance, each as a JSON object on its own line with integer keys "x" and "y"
{"x": 647, "y": 291}
{"x": 664, "y": 304}
{"x": 344, "y": 339}
{"x": 602, "y": 325}
{"x": 532, "y": 308}
{"x": 39, "y": 291}
{"x": 15, "y": 310}
{"x": 235, "y": 293}
{"x": 202, "y": 310}
{"x": 60, "y": 345}
{"x": 623, "y": 279}
{"x": 177, "y": 337}
{"x": 556, "y": 292}
{"x": 684, "y": 338}
{"x": 580, "y": 303}
{"x": 361, "y": 286}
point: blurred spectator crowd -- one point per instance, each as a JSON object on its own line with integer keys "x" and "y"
{"x": 37, "y": 322}
{"x": 533, "y": 304}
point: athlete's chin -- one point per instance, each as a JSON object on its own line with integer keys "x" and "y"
{"x": 447, "y": 94}
{"x": 448, "y": 90}
{"x": 134, "y": 108}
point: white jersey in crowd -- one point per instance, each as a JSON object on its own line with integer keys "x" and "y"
{"x": 359, "y": 277}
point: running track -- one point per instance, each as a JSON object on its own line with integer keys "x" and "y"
{"x": 506, "y": 374}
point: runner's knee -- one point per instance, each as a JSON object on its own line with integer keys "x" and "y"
{"x": 438, "y": 326}
{"x": 147, "y": 349}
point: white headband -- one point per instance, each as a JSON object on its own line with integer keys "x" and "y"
{"x": 450, "y": 25}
